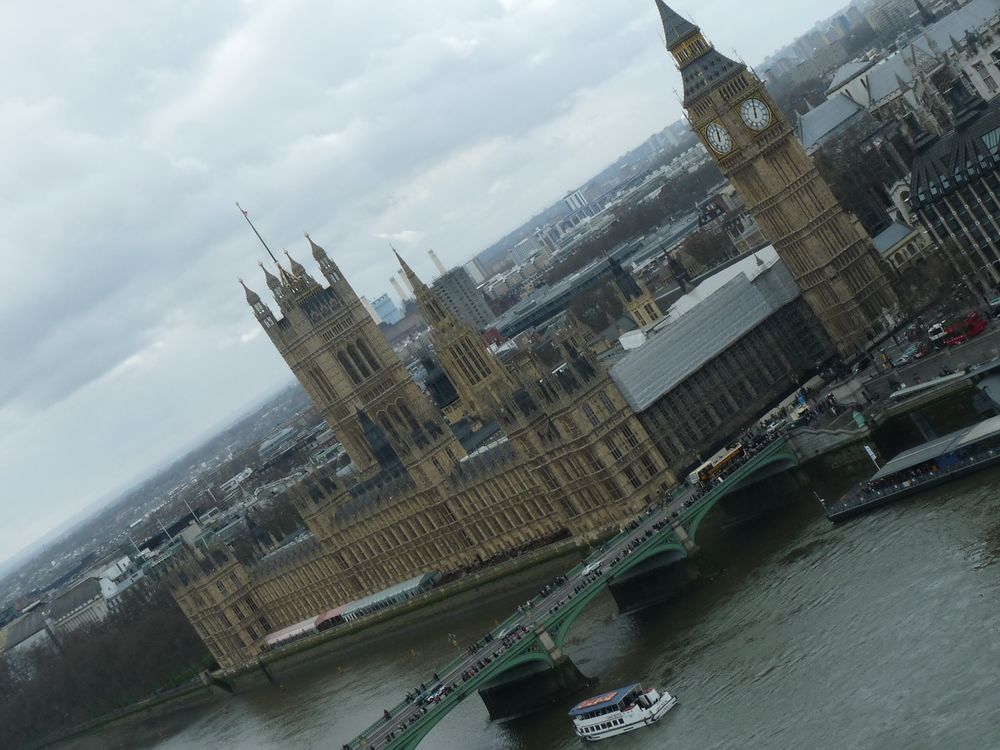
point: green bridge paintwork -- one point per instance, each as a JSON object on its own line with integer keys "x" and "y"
{"x": 774, "y": 458}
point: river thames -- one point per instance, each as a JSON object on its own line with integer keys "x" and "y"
{"x": 881, "y": 633}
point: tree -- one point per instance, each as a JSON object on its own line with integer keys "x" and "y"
{"x": 707, "y": 249}
{"x": 147, "y": 646}
{"x": 858, "y": 164}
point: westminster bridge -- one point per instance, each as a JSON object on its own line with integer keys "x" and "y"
{"x": 523, "y": 658}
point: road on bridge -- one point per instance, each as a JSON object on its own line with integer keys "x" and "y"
{"x": 395, "y": 727}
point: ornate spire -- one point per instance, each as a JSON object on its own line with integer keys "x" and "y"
{"x": 430, "y": 306}
{"x": 270, "y": 278}
{"x": 318, "y": 253}
{"x": 415, "y": 282}
{"x": 297, "y": 268}
{"x": 252, "y": 297}
{"x": 676, "y": 28}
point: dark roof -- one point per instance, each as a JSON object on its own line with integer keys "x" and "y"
{"x": 23, "y": 628}
{"x": 676, "y": 348}
{"x": 604, "y": 700}
{"x": 826, "y": 119}
{"x": 958, "y": 157}
{"x": 84, "y": 592}
{"x": 953, "y": 441}
{"x": 676, "y": 28}
{"x": 891, "y": 236}
{"x": 706, "y": 72}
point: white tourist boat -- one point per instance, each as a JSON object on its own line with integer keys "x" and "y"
{"x": 619, "y": 711}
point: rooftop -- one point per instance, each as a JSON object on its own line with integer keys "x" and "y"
{"x": 23, "y": 628}
{"x": 83, "y": 593}
{"x": 951, "y": 442}
{"x": 702, "y": 324}
{"x": 847, "y": 73}
{"x": 604, "y": 700}
{"x": 825, "y": 119}
{"x": 891, "y": 236}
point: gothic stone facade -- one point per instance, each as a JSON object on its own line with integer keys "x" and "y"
{"x": 830, "y": 255}
{"x": 573, "y": 460}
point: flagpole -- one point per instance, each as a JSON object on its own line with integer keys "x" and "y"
{"x": 247, "y": 217}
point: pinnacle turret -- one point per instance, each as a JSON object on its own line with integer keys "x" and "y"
{"x": 252, "y": 297}
{"x": 272, "y": 280}
{"x": 297, "y": 268}
{"x": 317, "y": 252}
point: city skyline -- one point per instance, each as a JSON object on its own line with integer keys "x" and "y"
{"x": 129, "y": 334}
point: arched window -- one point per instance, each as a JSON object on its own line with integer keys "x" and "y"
{"x": 387, "y": 425}
{"x": 352, "y": 352}
{"x": 345, "y": 362}
{"x": 911, "y": 249}
{"x": 405, "y": 411}
{"x": 369, "y": 357}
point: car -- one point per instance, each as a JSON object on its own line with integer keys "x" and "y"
{"x": 776, "y": 426}
{"x": 960, "y": 338}
{"x": 863, "y": 361}
{"x": 591, "y": 567}
{"x": 923, "y": 352}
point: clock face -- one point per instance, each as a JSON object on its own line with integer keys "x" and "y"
{"x": 718, "y": 138}
{"x": 755, "y": 114}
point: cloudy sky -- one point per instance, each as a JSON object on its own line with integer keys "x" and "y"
{"x": 129, "y": 128}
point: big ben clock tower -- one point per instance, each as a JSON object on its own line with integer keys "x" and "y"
{"x": 828, "y": 252}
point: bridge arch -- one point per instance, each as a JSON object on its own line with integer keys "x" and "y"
{"x": 422, "y": 728}
{"x": 661, "y": 543}
{"x": 779, "y": 456}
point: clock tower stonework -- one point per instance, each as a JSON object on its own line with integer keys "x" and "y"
{"x": 828, "y": 252}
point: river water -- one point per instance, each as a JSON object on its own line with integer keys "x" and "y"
{"x": 881, "y": 633}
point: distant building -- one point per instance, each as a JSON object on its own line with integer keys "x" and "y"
{"x": 366, "y": 303}
{"x": 81, "y": 606}
{"x": 576, "y": 200}
{"x": 890, "y": 17}
{"x": 527, "y": 248}
{"x": 459, "y": 293}
{"x": 387, "y": 311}
{"x": 475, "y": 271}
{"x": 26, "y": 633}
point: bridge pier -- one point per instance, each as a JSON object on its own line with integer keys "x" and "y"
{"x": 530, "y": 687}
{"x": 656, "y": 580}
{"x": 684, "y": 538}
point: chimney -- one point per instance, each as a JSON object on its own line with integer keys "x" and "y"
{"x": 437, "y": 261}
{"x": 399, "y": 290}
{"x": 406, "y": 284}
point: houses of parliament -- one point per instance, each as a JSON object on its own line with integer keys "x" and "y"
{"x": 571, "y": 459}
